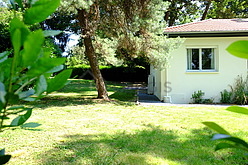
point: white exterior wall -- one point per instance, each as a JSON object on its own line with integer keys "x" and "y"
{"x": 179, "y": 84}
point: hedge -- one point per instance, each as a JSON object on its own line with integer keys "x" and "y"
{"x": 121, "y": 74}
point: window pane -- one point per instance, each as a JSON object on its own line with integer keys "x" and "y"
{"x": 207, "y": 58}
{"x": 193, "y": 59}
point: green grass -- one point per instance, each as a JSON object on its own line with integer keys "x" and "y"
{"x": 78, "y": 129}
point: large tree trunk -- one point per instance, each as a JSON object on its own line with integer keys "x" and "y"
{"x": 83, "y": 19}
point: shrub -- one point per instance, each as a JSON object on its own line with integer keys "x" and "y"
{"x": 208, "y": 101}
{"x": 239, "y": 91}
{"x": 112, "y": 73}
{"x": 226, "y": 97}
{"x": 197, "y": 97}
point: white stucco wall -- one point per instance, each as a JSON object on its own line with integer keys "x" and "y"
{"x": 179, "y": 84}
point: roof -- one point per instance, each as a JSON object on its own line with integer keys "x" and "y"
{"x": 210, "y": 26}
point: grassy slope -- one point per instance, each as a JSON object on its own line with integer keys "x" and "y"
{"x": 77, "y": 130}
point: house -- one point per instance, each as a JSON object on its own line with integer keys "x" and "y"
{"x": 201, "y": 62}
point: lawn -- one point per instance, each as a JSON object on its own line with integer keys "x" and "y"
{"x": 74, "y": 128}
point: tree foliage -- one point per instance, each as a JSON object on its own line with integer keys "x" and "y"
{"x": 5, "y": 17}
{"x": 129, "y": 29}
{"x": 228, "y": 9}
{"x": 184, "y": 11}
{"x": 181, "y": 11}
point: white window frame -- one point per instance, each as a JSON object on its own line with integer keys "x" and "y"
{"x": 215, "y": 48}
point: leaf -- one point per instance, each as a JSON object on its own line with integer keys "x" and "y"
{"x": 48, "y": 33}
{"x": 32, "y": 47}
{"x": 56, "y": 69}
{"x": 238, "y": 110}
{"x": 5, "y": 68}
{"x": 4, "y": 56}
{"x": 224, "y": 145}
{"x": 2, "y": 93}
{"x": 16, "y": 107}
{"x": 19, "y": 2}
{"x": 40, "y": 10}
{"x": 4, "y": 159}
{"x": 58, "y": 81}
{"x": 235, "y": 140}
{"x": 17, "y": 24}
{"x": 43, "y": 65}
{"x": 12, "y": 98}
{"x": 22, "y": 118}
{"x": 16, "y": 41}
{"x": 220, "y": 136}
{"x": 26, "y": 94}
{"x": 2, "y": 152}
{"x": 30, "y": 125}
{"x": 41, "y": 85}
{"x": 239, "y": 49}
{"x": 216, "y": 127}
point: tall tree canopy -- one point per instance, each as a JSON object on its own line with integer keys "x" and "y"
{"x": 134, "y": 27}
{"x": 228, "y": 9}
{"x": 5, "y": 17}
{"x": 184, "y": 11}
{"x": 181, "y": 11}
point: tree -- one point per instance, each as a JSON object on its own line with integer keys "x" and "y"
{"x": 64, "y": 23}
{"x": 207, "y": 4}
{"x": 5, "y": 17}
{"x": 181, "y": 11}
{"x": 184, "y": 11}
{"x": 137, "y": 25}
{"x": 228, "y": 9}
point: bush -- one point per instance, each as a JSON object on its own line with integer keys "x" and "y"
{"x": 111, "y": 73}
{"x": 208, "y": 101}
{"x": 226, "y": 97}
{"x": 197, "y": 97}
{"x": 239, "y": 91}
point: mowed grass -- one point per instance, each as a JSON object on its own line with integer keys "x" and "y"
{"x": 77, "y": 129}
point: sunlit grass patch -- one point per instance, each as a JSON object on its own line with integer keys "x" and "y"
{"x": 78, "y": 130}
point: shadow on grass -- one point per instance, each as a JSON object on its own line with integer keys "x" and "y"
{"x": 83, "y": 92}
{"x": 152, "y": 145}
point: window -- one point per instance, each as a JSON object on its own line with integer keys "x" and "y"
{"x": 201, "y": 59}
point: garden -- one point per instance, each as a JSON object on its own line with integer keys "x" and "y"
{"x": 47, "y": 118}
{"x": 71, "y": 127}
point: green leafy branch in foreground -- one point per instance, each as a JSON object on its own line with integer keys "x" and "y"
{"x": 25, "y": 72}
{"x": 239, "y": 49}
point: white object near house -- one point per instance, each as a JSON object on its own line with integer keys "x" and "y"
{"x": 202, "y": 62}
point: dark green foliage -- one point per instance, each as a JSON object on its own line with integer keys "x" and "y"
{"x": 63, "y": 22}
{"x": 226, "y": 97}
{"x": 228, "y": 9}
{"x": 198, "y": 97}
{"x": 5, "y": 17}
{"x": 29, "y": 66}
{"x": 4, "y": 158}
{"x": 238, "y": 94}
{"x": 111, "y": 73}
{"x": 208, "y": 101}
{"x": 26, "y": 75}
{"x": 239, "y": 91}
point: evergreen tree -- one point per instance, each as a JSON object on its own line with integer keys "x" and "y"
{"x": 136, "y": 26}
